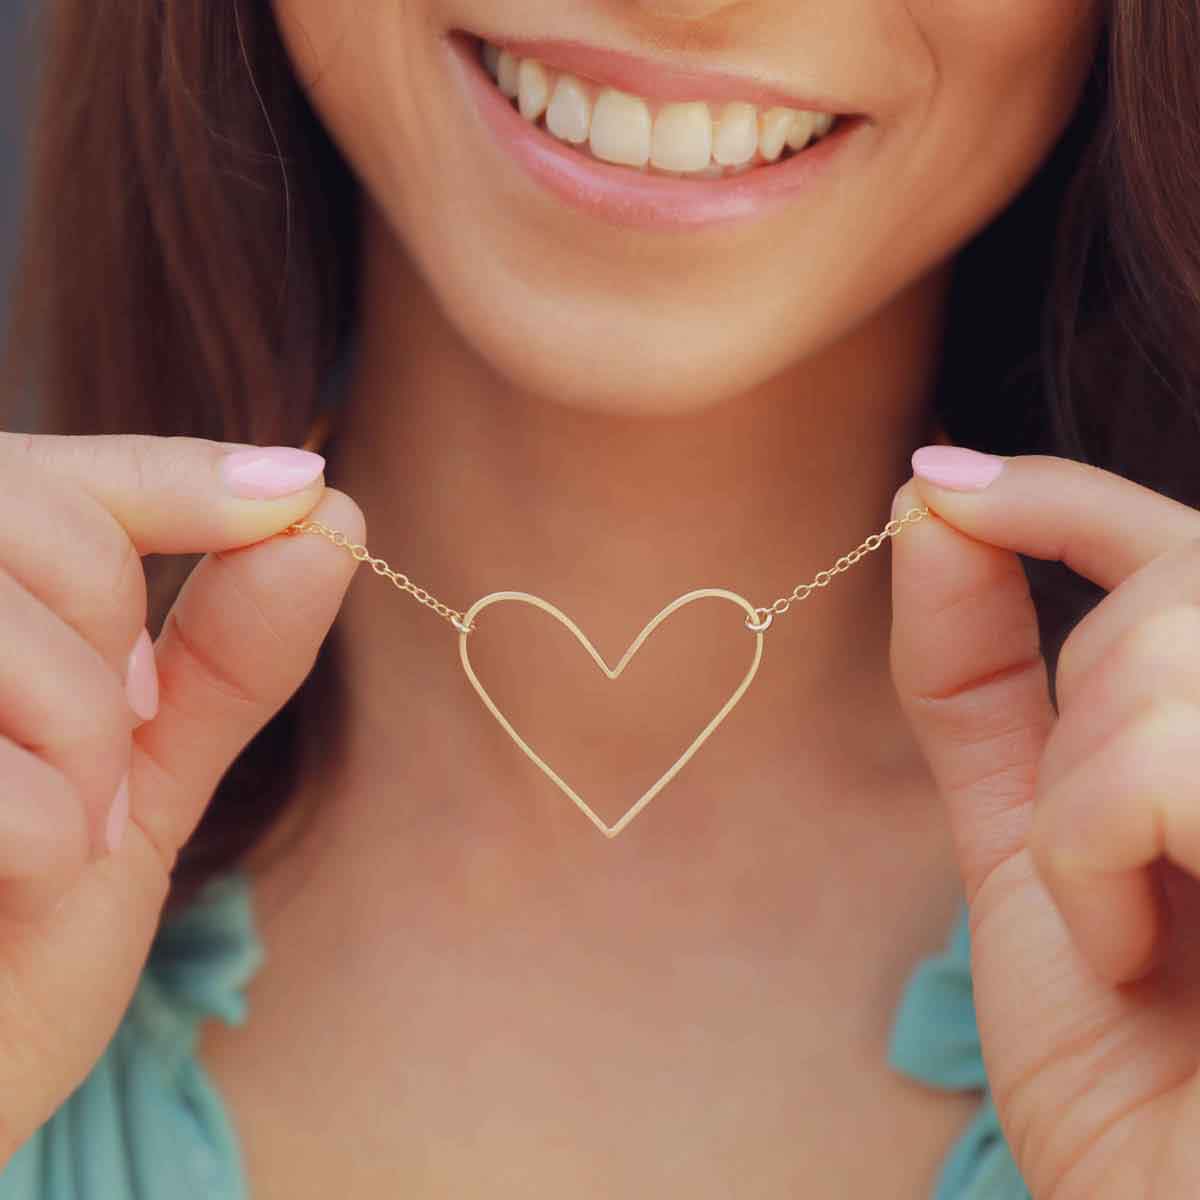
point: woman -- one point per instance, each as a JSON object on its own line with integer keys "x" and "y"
{"x": 605, "y": 302}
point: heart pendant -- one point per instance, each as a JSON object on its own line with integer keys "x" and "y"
{"x": 612, "y": 673}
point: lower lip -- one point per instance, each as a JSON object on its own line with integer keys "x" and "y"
{"x": 624, "y": 196}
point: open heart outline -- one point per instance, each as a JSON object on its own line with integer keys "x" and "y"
{"x": 612, "y": 673}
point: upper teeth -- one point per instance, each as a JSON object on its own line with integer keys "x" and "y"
{"x": 694, "y": 137}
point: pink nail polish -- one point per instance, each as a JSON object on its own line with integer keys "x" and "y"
{"x": 118, "y": 817}
{"x": 141, "y": 678}
{"x": 956, "y": 467}
{"x": 265, "y": 472}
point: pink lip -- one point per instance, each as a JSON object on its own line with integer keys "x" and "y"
{"x": 624, "y": 196}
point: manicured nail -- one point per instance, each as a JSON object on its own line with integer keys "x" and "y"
{"x": 118, "y": 817}
{"x": 265, "y": 472}
{"x": 141, "y": 678}
{"x": 956, "y": 467}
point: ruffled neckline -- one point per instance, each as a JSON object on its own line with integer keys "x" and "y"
{"x": 204, "y": 956}
{"x": 934, "y": 1036}
{"x": 935, "y": 1040}
{"x": 199, "y": 964}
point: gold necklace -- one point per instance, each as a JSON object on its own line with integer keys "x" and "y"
{"x": 758, "y": 621}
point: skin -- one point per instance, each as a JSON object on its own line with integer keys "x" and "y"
{"x": 548, "y": 403}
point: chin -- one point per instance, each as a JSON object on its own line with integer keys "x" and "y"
{"x": 627, "y": 366}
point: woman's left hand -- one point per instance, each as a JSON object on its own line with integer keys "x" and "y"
{"x": 1077, "y": 833}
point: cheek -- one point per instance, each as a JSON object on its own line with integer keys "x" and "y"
{"x": 357, "y": 65}
{"x": 310, "y": 30}
{"x": 1023, "y": 55}
{"x": 1003, "y": 80}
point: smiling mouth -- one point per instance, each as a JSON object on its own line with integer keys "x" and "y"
{"x": 691, "y": 139}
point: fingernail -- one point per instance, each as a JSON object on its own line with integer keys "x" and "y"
{"x": 956, "y": 467}
{"x": 118, "y": 817}
{"x": 265, "y": 472}
{"x": 141, "y": 678}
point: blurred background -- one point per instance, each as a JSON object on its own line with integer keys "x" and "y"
{"x": 16, "y": 79}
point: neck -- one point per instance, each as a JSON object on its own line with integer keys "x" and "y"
{"x": 471, "y": 485}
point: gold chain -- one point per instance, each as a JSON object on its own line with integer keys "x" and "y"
{"x": 765, "y": 615}
{"x": 822, "y": 578}
{"x": 378, "y": 566}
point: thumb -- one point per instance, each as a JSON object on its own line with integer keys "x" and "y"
{"x": 967, "y": 666}
{"x": 238, "y": 642}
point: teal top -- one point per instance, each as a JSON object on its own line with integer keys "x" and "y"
{"x": 147, "y": 1122}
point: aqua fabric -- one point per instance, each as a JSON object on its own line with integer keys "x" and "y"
{"x": 148, "y": 1124}
{"x": 935, "y": 1039}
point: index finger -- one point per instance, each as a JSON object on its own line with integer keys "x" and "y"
{"x": 1141, "y": 546}
{"x": 1100, "y": 524}
{"x": 180, "y": 495}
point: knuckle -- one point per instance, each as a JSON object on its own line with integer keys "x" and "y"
{"x": 1151, "y": 649}
{"x": 85, "y": 708}
{"x": 1067, "y": 664}
{"x": 1063, "y": 858}
{"x": 1155, "y": 644}
{"x": 65, "y": 690}
{"x": 116, "y": 567}
{"x": 70, "y": 551}
{"x": 1046, "y": 848}
{"x": 1072, "y": 660}
{"x": 129, "y": 585}
{"x": 96, "y": 712}
{"x": 105, "y": 598}
{"x": 1167, "y": 727}
{"x": 1153, "y": 750}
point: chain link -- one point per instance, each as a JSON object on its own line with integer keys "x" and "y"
{"x": 765, "y": 615}
{"x": 822, "y": 578}
{"x": 381, "y": 568}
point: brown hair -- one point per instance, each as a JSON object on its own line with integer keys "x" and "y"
{"x": 190, "y": 255}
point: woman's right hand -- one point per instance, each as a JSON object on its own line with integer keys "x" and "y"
{"x": 76, "y": 921}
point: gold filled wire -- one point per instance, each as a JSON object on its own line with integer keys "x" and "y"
{"x": 758, "y": 620}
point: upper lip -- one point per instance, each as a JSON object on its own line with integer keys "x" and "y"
{"x": 656, "y": 80}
